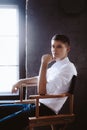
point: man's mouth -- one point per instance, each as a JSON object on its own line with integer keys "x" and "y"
{"x": 55, "y": 54}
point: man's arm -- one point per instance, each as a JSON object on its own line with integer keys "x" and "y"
{"x": 41, "y": 88}
{"x": 27, "y": 81}
{"x": 37, "y": 80}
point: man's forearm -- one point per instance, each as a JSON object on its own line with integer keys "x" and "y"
{"x": 25, "y": 82}
{"x": 29, "y": 81}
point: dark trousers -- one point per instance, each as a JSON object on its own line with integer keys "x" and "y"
{"x": 15, "y": 116}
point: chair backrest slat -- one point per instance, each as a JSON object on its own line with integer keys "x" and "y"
{"x": 72, "y": 85}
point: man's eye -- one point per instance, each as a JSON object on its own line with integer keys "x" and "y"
{"x": 59, "y": 46}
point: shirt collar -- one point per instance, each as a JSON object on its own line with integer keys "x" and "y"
{"x": 63, "y": 61}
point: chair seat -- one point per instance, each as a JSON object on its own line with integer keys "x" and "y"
{"x": 51, "y": 120}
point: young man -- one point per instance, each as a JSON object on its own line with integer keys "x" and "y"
{"x": 53, "y": 80}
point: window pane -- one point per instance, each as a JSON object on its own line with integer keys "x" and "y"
{"x": 9, "y": 51}
{"x": 8, "y": 21}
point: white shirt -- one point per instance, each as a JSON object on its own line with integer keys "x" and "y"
{"x": 59, "y": 76}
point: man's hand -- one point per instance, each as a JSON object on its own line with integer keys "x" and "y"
{"x": 16, "y": 87}
{"x": 46, "y": 59}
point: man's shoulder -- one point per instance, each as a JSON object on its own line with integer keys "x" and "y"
{"x": 69, "y": 67}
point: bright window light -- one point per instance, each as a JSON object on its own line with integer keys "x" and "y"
{"x": 8, "y": 21}
{"x": 9, "y": 48}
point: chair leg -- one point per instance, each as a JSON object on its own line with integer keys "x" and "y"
{"x": 53, "y": 127}
{"x": 30, "y": 128}
{"x": 64, "y": 127}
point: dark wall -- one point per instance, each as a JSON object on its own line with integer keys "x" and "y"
{"x": 69, "y": 17}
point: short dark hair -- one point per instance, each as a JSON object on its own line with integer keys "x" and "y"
{"x": 62, "y": 38}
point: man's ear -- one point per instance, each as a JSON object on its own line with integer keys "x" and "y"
{"x": 68, "y": 49}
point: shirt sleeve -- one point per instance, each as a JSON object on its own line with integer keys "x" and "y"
{"x": 61, "y": 81}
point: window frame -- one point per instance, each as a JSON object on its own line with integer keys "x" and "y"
{"x": 22, "y": 43}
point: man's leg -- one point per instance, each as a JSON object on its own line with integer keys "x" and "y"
{"x": 45, "y": 111}
{"x": 15, "y": 115}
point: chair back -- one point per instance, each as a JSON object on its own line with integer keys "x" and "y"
{"x": 72, "y": 85}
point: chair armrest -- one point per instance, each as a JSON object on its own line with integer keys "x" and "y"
{"x": 37, "y": 97}
{"x": 49, "y": 96}
{"x": 27, "y": 101}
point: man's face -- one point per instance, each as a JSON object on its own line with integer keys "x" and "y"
{"x": 59, "y": 49}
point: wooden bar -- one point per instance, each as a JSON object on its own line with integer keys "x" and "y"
{"x": 37, "y": 108}
{"x": 49, "y": 96}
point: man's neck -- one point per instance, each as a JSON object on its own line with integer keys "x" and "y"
{"x": 58, "y": 59}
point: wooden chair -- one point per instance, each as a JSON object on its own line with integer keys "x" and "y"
{"x": 59, "y": 119}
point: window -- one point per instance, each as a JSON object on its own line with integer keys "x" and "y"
{"x": 12, "y": 46}
{"x": 9, "y": 48}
